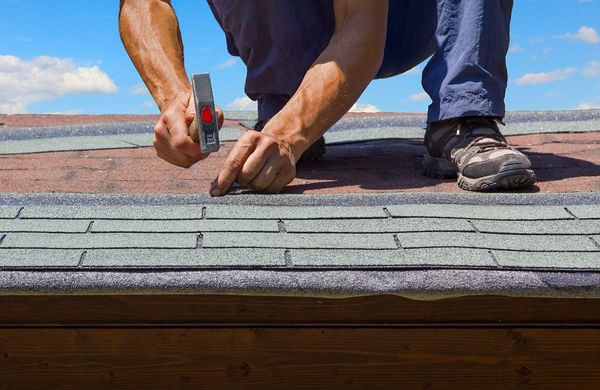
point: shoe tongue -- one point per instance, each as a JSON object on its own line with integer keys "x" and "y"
{"x": 482, "y": 132}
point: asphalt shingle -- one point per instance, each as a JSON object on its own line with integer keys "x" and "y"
{"x": 113, "y": 212}
{"x": 539, "y": 227}
{"x": 43, "y": 258}
{"x": 384, "y": 225}
{"x": 185, "y": 226}
{"x": 480, "y": 212}
{"x": 515, "y": 242}
{"x": 586, "y": 212}
{"x": 452, "y": 257}
{"x": 99, "y": 240}
{"x": 184, "y": 258}
{"x": 549, "y": 260}
{"x": 9, "y": 211}
{"x": 299, "y": 240}
{"x": 43, "y": 225}
{"x": 435, "y": 236}
{"x": 292, "y": 212}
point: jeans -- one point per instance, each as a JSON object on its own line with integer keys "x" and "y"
{"x": 467, "y": 40}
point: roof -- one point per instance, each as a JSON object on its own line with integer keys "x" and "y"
{"x": 421, "y": 244}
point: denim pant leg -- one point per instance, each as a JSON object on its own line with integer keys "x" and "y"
{"x": 467, "y": 75}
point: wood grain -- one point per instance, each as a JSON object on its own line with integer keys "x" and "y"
{"x": 201, "y": 310}
{"x": 299, "y": 358}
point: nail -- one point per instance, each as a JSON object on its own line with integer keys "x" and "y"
{"x": 215, "y": 192}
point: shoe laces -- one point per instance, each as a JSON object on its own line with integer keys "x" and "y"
{"x": 480, "y": 133}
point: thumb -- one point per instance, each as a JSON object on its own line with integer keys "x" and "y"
{"x": 220, "y": 116}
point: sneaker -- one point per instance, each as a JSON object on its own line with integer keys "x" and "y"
{"x": 313, "y": 153}
{"x": 474, "y": 150}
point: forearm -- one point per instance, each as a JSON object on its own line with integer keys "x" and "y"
{"x": 334, "y": 82}
{"x": 150, "y": 33}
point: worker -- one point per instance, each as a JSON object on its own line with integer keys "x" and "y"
{"x": 308, "y": 61}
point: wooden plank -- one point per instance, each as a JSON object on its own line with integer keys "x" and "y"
{"x": 243, "y": 310}
{"x": 298, "y": 358}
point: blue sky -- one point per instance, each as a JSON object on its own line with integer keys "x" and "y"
{"x": 66, "y": 56}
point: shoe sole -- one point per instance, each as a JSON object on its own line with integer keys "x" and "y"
{"x": 512, "y": 176}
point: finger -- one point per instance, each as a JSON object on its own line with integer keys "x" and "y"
{"x": 193, "y": 129}
{"x": 181, "y": 142}
{"x": 164, "y": 151}
{"x": 278, "y": 184}
{"x": 220, "y": 116}
{"x": 266, "y": 175}
{"x": 161, "y": 141}
{"x": 234, "y": 163}
{"x": 255, "y": 163}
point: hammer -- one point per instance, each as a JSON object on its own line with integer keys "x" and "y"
{"x": 208, "y": 128}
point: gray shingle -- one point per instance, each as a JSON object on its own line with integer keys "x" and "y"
{"x": 539, "y": 227}
{"x": 43, "y": 225}
{"x": 99, "y": 240}
{"x": 189, "y": 258}
{"x": 572, "y": 260}
{"x": 497, "y": 241}
{"x": 45, "y": 258}
{"x": 185, "y": 226}
{"x": 447, "y": 257}
{"x": 298, "y": 240}
{"x": 9, "y": 211}
{"x": 69, "y": 143}
{"x": 292, "y": 212}
{"x": 114, "y": 212}
{"x": 586, "y": 212}
{"x": 383, "y": 225}
{"x": 480, "y": 212}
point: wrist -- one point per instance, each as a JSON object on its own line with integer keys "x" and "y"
{"x": 291, "y": 136}
{"x": 173, "y": 97}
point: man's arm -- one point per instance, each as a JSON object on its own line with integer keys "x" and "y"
{"x": 266, "y": 161}
{"x": 150, "y": 33}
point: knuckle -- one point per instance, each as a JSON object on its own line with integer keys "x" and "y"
{"x": 233, "y": 164}
{"x": 287, "y": 171}
{"x": 252, "y": 135}
{"x": 186, "y": 163}
{"x": 179, "y": 142}
{"x": 159, "y": 129}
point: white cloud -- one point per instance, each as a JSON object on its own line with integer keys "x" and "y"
{"x": 76, "y": 111}
{"x": 417, "y": 97}
{"x": 514, "y": 49}
{"x": 585, "y": 34}
{"x": 588, "y": 106}
{"x": 242, "y": 103}
{"x": 24, "y": 82}
{"x": 149, "y": 104}
{"x": 361, "y": 107}
{"x": 139, "y": 89}
{"x": 545, "y": 77}
{"x": 227, "y": 64}
{"x": 592, "y": 69}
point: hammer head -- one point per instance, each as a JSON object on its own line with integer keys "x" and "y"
{"x": 208, "y": 128}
